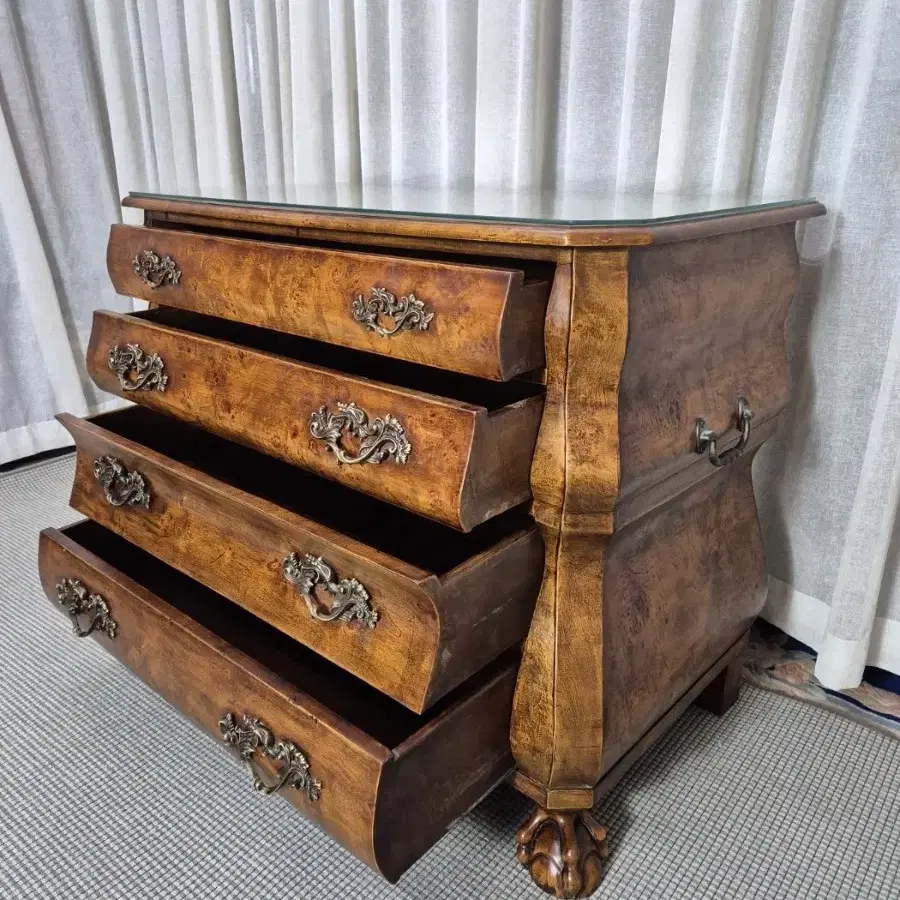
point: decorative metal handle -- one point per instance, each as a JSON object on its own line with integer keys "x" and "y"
{"x": 135, "y": 370}
{"x": 121, "y": 486}
{"x": 251, "y": 735}
{"x": 409, "y": 313}
{"x": 155, "y": 270}
{"x": 79, "y": 601}
{"x": 350, "y": 600}
{"x": 380, "y": 439}
{"x": 705, "y": 441}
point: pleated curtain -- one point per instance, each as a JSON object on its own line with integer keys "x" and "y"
{"x": 796, "y": 97}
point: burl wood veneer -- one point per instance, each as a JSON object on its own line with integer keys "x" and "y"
{"x": 478, "y": 319}
{"x": 218, "y": 513}
{"x": 654, "y": 557}
{"x": 462, "y": 461}
{"x": 367, "y": 757}
{"x": 585, "y": 401}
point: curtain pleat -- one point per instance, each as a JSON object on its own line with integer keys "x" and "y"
{"x": 99, "y": 97}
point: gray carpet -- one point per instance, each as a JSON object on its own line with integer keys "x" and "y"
{"x": 106, "y": 792}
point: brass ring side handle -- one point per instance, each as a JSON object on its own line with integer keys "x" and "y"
{"x": 408, "y": 313}
{"x": 349, "y": 599}
{"x": 155, "y": 270}
{"x": 250, "y": 735}
{"x": 121, "y": 487}
{"x": 137, "y": 370}
{"x": 79, "y": 601}
{"x": 706, "y": 441}
{"x": 378, "y": 440}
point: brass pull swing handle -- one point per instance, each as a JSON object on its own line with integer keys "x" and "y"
{"x": 249, "y": 735}
{"x": 379, "y": 439}
{"x": 349, "y": 599}
{"x": 121, "y": 487}
{"x": 155, "y": 270}
{"x": 136, "y": 370}
{"x": 409, "y": 313}
{"x": 706, "y": 441}
{"x": 79, "y": 601}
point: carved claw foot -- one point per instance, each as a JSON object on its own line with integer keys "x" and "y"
{"x": 563, "y": 850}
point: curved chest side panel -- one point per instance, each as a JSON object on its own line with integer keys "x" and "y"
{"x": 680, "y": 586}
{"x": 706, "y": 323}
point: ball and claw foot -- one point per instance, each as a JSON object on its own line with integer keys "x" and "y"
{"x": 563, "y": 851}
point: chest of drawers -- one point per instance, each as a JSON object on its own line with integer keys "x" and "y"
{"x": 406, "y": 504}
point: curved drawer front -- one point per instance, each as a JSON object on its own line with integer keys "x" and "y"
{"x": 475, "y": 319}
{"x": 341, "y": 753}
{"x": 409, "y": 630}
{"x": 448, "y": 460}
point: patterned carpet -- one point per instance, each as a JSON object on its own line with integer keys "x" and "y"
{"x": 777, "y": 663}
{"x": 106, "y": 792}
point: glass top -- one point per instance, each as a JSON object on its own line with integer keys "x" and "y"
{"x": 572, "y": 205}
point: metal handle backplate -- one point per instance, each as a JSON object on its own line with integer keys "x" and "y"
{"x": 155, "y": 270}
{"x": 136, "y": 370}
{"x": 706, "y": 441}
{"x": 121, "y": 487}
{"x": 382, "y": 438}
{"x": 408, "y": 313}
{"x": 250, "y": 735}
{"x": 79, "y": 601}
{"x": 349, "y": 599}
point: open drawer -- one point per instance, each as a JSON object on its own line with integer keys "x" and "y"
{"x": 408, "y": 605}
{"x": 480, "y": 318}
{"x": 383, "y": 781}
{"x": 451, "y": 447}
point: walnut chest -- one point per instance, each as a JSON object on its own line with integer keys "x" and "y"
{"x": 416, "y": 494}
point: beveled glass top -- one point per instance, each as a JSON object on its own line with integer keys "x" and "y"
{"x": 570, "y": 206}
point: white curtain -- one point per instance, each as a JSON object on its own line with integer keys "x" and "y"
{"x": 99, "y": 97}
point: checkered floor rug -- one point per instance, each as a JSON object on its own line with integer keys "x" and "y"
{"x": 106, "y": 792}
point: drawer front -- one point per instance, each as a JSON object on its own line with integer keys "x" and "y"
{"x": 353, "y": 784}
{"x": 401, "y": 628}
{"x": 448, "y": 460}
{"x": 469, "y": 318}
{"x": 205, "y": 678}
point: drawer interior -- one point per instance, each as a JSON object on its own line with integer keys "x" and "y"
{"x": 353, "y": 700}
{"x": 491, "y": 395}
{"x": 534, "y": 270}
{"x": 404, "y": 535}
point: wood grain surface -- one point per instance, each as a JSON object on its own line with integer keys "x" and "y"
{"x": 680, "y": 587}
{"x": 486, "y": 321}
{"x": 557, "y": 725}
{"x": 207, "y": 662}
{"x": 266, "y": 401}
{"x": 706, "y": 326}
{"x": 430, "y": 634}
{"x": 358, "y": 225}
{"x": 653, "y": 564}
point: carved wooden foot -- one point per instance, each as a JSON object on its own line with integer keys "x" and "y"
{"x": 722, "y": 692}
{"x": 563, "y": 850}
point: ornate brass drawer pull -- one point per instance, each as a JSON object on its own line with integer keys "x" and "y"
{"x": 135, "y": 370}
{"x": 120, "y": 486}
{"x": 350, "y": 600}
{"x": 380, "y": 439}
{"x": 705, "y": 441}
{"x": 409, "y": 313}
{"x": 155, "y": 270}
{"x": 80, "y": 602}
{"x": 251, "y": 735}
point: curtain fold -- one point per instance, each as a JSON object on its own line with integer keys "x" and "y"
{"x": 99, "y": 97}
